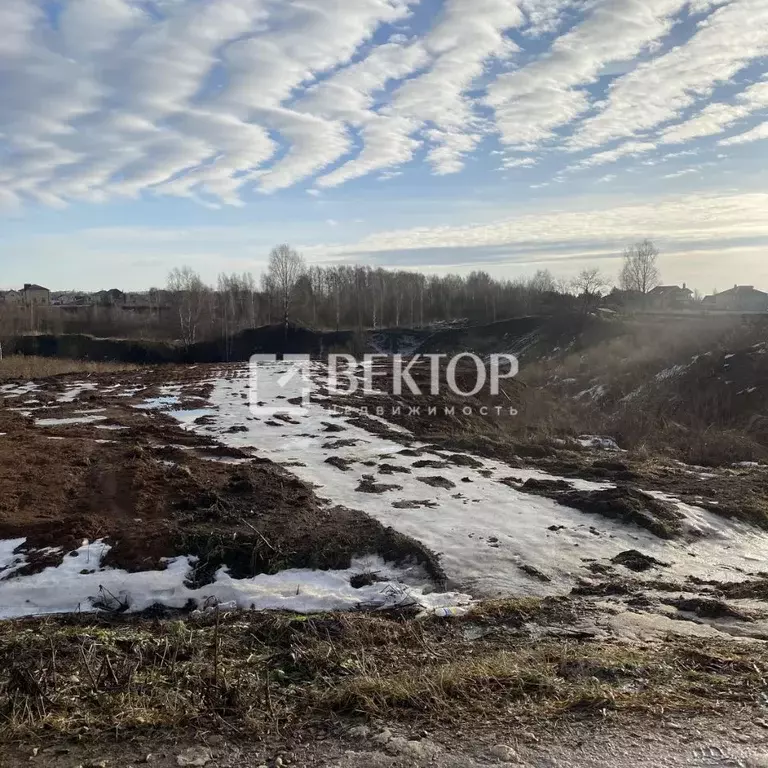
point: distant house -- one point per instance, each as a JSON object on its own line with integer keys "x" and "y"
{"x": 670, "y": 297}
{"x": 36, "y": 295}
{"x": 11, "y": 297}
{"x": 740, "y": 298}
{"x": 136, "y": 299}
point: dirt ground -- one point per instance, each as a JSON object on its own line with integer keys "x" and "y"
{"x": 648, "y": 672}
{"x": 695, "y": 742}
{"x": 153, "y": 490}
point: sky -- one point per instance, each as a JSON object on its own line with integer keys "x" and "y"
{"x": 431, "y": 135}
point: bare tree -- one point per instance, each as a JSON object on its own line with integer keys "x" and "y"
{"x": 640, "y": 271}
{"x": 543, "y": 282}
{"x": 588, "y": 286}
{"x": 286, "y": 266}
{"x": 189, "y": 295}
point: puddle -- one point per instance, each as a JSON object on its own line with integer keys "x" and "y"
{"x": 158, "y": 403}
{"x": 73, "y": 420}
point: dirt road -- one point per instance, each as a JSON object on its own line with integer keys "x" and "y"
{"x": 735, "y": 742}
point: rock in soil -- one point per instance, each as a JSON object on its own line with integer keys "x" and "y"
{"x": 194, "y": 756}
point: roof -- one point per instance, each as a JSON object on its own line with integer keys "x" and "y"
{"x": 33, "y": 287}
{"x": 743, "y": 290}
{"x": 661, "y": 290}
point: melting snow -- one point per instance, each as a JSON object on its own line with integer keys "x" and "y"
{"x": 17, "y": 390}
{"x": 669, "y": 373}
{"x": 70, "y": 395}
{"x": 598, "y": 443}
{"x": 80, "y": 583}
{"x": 71, "y": 420}
{"x": 157, "y": 403}
{"x": 483, "y": 529}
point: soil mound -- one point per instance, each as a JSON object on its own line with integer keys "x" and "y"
{"x": 623, "y": 503}
{"x": 151, "y": 494}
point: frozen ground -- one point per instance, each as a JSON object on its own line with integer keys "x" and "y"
{"x": 81, "y": 584}
{"x": 493, "y": 539}
{"x": 484, "y": 530}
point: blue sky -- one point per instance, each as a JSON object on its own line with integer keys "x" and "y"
{"x": 438, "y": 135}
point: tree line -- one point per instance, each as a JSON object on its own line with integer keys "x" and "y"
{"x": 353, "y": 297}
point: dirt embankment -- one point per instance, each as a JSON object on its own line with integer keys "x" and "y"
{"x": 530, "y": 337}
{"x": 689, "y": 388}
{"x": 269, "y": 339}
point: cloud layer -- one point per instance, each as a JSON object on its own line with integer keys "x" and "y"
{"x": 110, "y": 99}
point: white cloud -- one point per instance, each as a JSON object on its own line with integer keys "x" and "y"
{"x": 519, "y": 162}
{"x": 660, "y": 89}
{"x": 690, "y": 219}
{"x": 215, "y": 100}
{"x": 387, "y": 142}
{"x": 714, "y": 227}
{"x": 96, "y": 25}
{"x": 468, "y": 34}
{"x": 628, "y": 149}
{"x": 683, "y": 172}
{"x": 544, "y": 16}
{"x": 190, "y": 104}
{"x": 757, "y": 133}
{"x": 532, "y": 102}
{"x": 717, "y": 117}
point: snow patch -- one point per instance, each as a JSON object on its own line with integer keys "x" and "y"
{"x": 80, "y": 583}
{"x": 484, "y": 530}
{"x": 70, "y": 420}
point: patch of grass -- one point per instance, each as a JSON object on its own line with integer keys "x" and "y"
{"x": 438, "y": 687}
{"x": 549, "y": 679}
{"x": 257, "y": 673}
{"x": 510, "y": 609}
{"x": 21, "y": 367}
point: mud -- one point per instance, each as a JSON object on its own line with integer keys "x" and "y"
{"x": 437, "y": 481}
{"x": 709, "y": 609}
{"x": 637, "y": 561}
{"x": 153, "y": 491}
{"x": 624, "y": 503}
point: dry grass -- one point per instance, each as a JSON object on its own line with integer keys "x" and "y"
{"x": 20, "y": 367}
{"x": 660, "y": 390}
{"x": 267, "y": 673}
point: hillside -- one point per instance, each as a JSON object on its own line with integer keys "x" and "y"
{"x": 698, "y": 387}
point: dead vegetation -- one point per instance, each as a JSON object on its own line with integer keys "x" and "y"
{"x": 269, "y": 673}
{"x": 26, "y": 368}
{"x": 623, "y": 503}
{"x": 691, "y": 391}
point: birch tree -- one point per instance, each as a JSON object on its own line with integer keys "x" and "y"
{"x": 286, "y": 266}
{"x": 189, "y": 296}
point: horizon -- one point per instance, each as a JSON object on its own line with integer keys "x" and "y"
{"x": 604, "y": 290}
{"x": 440, "y": 137}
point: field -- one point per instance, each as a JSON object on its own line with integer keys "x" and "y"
{"x": 176, "y": 563}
